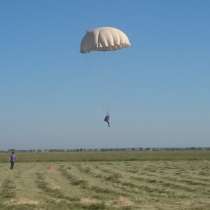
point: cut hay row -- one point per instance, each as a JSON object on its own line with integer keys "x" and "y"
{"x": 172, "y": 180}
{"x": 127, "y": 182}
{"x": 175, "y": 181}
{"x": 8, "y": 190}
{"x": 105, "y": 185}
{"x": 127, "y": 185}
{"x": 88, "y": 184}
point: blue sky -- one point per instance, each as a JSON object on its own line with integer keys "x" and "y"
{"x": 54, "y": 97}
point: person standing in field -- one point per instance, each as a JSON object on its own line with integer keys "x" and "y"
{"x": 12, "y": 160}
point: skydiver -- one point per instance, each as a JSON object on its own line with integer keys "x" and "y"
{"x": 107, "y": 119}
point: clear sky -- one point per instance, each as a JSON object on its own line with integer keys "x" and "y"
{"x": 157, "y": 92}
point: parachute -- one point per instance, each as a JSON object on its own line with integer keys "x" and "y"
{"x": 104, "y": 39}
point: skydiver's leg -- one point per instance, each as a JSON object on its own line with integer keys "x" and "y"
{"x": 11, "y": 164}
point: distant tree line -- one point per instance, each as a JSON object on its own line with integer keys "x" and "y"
{"x": 110, "y": 149}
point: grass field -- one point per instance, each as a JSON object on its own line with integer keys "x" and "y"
{"x": 159, "y": 180}
{"x": 110, "y": 156}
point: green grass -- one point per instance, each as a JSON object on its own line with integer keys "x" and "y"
{"x": 110, "y": 156}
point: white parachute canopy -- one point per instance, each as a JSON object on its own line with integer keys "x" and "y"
{"x": 104, "y": 39}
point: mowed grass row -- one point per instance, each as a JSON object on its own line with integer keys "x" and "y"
{"x": 109, "y": 156}
{"x": 106, "y": 185}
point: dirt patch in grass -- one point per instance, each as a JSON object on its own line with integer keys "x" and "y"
{"x": 51, "y": 168}
{"x": 22, "y": 201}
{"x": 88, "y": 201}
{"x": 123, "y": 202}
